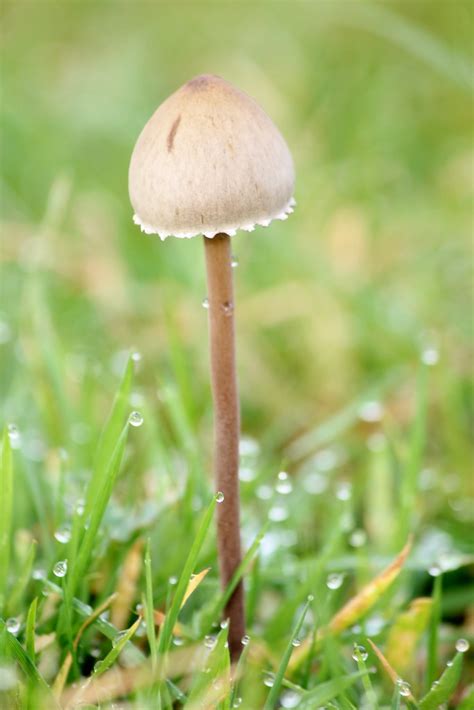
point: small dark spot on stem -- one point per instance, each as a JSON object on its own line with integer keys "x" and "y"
{"x": 172, "y": 134}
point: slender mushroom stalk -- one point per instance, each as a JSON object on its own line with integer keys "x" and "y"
{"x": 210, "y": 161}
{"x": 226, "y": 425}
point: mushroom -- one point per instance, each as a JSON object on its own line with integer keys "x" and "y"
{"x": 210, "y": 161}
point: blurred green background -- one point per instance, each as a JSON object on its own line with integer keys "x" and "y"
{"x": 354, "y": 316}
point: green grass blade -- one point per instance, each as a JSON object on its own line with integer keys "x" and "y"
{"x": 172, "y": 615}
{"x": 30, "y": 629}
{"x": 467, "y": 702}
{"x": 16, "y": 651}
{"x": 444, "y": 688}
{"x": 370, "y": 695}
{"x": 23, "y": 577}
{"x": 216, "y": 610}
{"x": 277, "y": 683}
{"x": 433, "y": 632}
{"x": 101, "y": 498}
{"x": 325, "y": 692}
{"x": 110, "y": 435}
{"x": 114, "y": 653}
{"x": 149, "y": 608}
{"x": 6, "y": 506}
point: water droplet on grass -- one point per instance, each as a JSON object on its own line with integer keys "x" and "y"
{"x": 358, "y": 538}
{"x": 219, "y": 497}
{"x": 234, "y": 261}
{"x": 435, "y": 570}
{"x": 118, "y": 637}
{"x": 135, "y": 419}
{"x": 264, "y": 492}
{"x": 269, "y": 680}
{"x": 344, "y": 491}
{"x": 209, "y": 641}
{"x": 14, "y": 436}
{"x": 136, "y": 356}
{"x": 335, "y": 580}
{"x": 290, "y": 699}
{"x": 60, "y": 568}
{"x": 278, "y": 513}
{"x": 205, "y": 303}
{"x": 371, "y": 411}
{"x": 38, "y": 574}
{"x": 237, "y": 703}
{"x": 284, "y": 485}
{"x": 224, "y": 624}
{"x": 63, "y": 535}
{"x": 245, "y": 640}
{"x": 173, "y": 581}
{"x": 296, "y": 642}
{"x": 178, "y": 641}
{"x": 462, "y": 645}
{"x": 403, "y": 688}
{"x": 359, "y": 653}
{"x": 12, "y": 625}
{"x": 247, "y": 474}
{"x": 430, "y": 356}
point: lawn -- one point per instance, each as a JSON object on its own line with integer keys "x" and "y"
{"x": 354, "y": 351}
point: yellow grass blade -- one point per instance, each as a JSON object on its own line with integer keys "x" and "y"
{"x": 405, "y": 633}
{"x": 127, "y": 586}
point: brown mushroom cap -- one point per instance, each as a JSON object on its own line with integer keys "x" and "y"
{"x": 209, "y": 160}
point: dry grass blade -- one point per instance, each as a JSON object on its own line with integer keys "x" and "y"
{"x": 391, "y": 673}
{"x": 405, "y": 633}
{"x": 372, "y": 591}
{"x": 127, "y": 586}
{"x": 120, "y": 682}
{"x": 194, "y": 582}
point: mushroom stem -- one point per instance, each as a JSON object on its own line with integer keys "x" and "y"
{"x": 226, "y": 426}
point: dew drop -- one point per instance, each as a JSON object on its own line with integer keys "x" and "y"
{"x": 38, "y": 574}
{"x": 264, "y": 492}
{"x": 435, "y": 570}
{"x": 435, "y": 685}
{"x": 344, "y": 491}
{"x": 335, "y": 580}
{"x": 371, "y": 411}
{"x": 462, "y": 645}
{"x": 284, "y": 485}
{"x": 209, "y": 641}
{"x": 358, "y": 538}
{"x": 290, "y": 699}
{"x": 245, "y": 640}
{"x": 310, "y": 598}
{"x": 135, "y": 419}
{"x": 278, "y": 513}
{"x": 173, "y": 581}
{"x": 359, "y": 653}
{"x": 449, "y": 664}
{"x": 12, "y": 625}
{"x": 430, "y": 356}
{"x": 80, "y": 507}
{"x": 14, "y": 436}
{"x": 269, "y": 680}
{"x": 205, "y": 302}
{"x": 224, "y": 624}
{"x": 136, "y": 356}
{"x": 118, "y": 637}
{"x": 237, "y": 703}
{"x": 403, "y": 688}
{"x": 219, "y": 497}
{"x": 234, "y": 261}
{"x": 296, "y": 642}
{"x": 178, "y": 641}
{"x": 63, "y": 535}
{"x": 227, "y": 308}
{"x": 60, "y": 568}
{"x": 247, "y": 474}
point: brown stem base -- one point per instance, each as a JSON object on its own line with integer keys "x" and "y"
{"x": 226, "y": 426}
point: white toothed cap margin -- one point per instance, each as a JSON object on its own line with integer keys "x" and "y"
{"x": 230, "y": 230}
{"x": 209, "y": 160}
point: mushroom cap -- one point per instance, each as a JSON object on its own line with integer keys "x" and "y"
{"x": 209, "y": 160}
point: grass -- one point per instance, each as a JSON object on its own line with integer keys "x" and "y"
{"x": 354, "y": 354}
